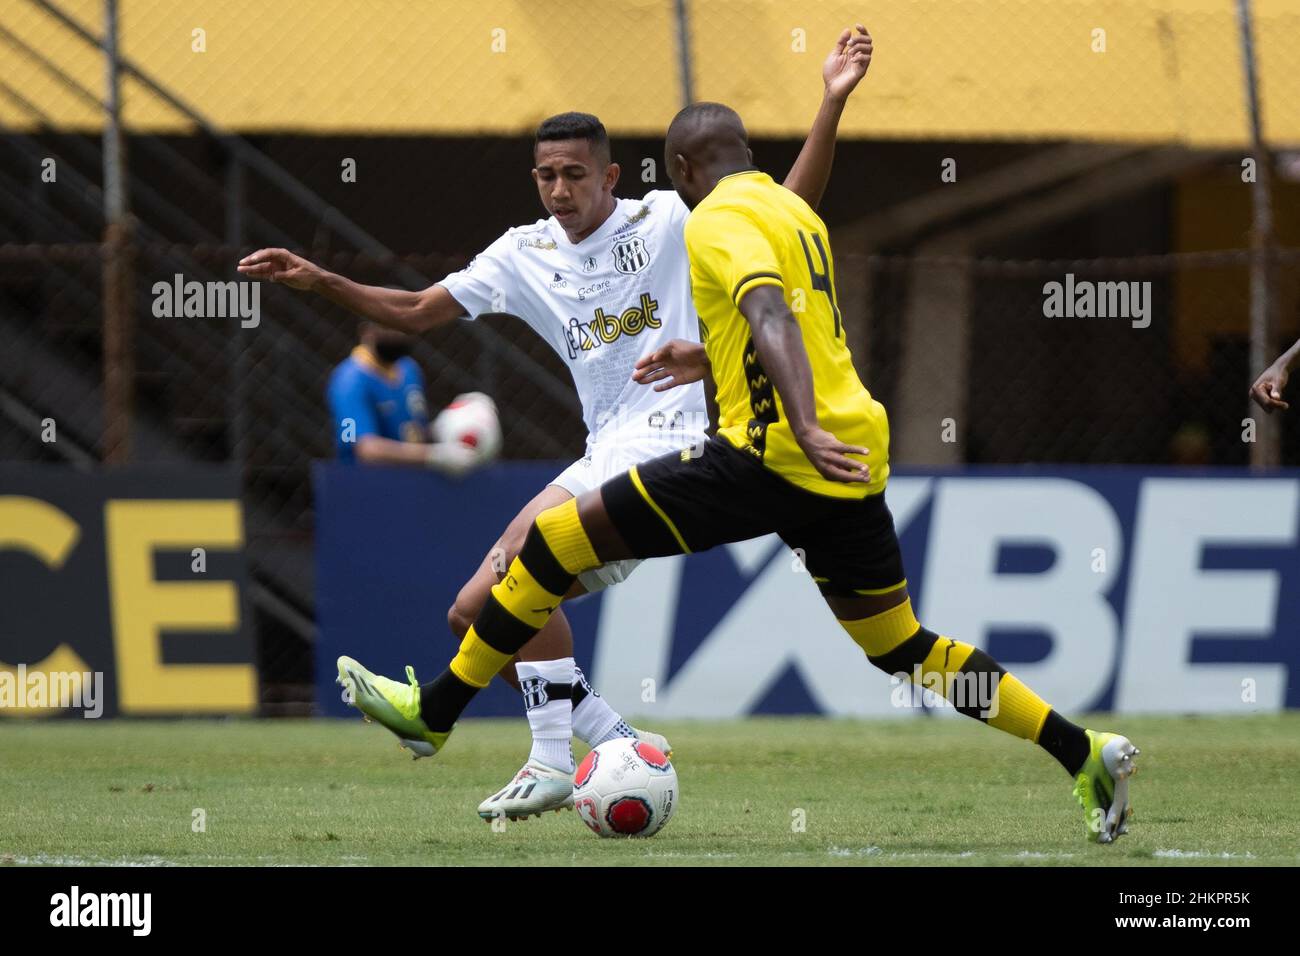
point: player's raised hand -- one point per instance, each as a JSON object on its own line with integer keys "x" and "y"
{"x": 280, "y": 265}
{"x": 830, "y": 456}
{"x": 848, "y": 62}
{"x": 1267, "y": 390}
{"x": 677, "y": 363}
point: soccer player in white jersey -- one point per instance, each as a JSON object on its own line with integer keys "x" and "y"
{"x": 604, "y": 281}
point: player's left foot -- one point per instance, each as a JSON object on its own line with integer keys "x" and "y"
{"x": 1101, "y": 786}
{"x": 393, "y": 704}
{"x": 535, "y": 789}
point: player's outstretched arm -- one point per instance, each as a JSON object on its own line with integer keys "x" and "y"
{"x": 679, "y": 362}
{"x": 1267, "y": 390}
{"x": 785, "y": 360}
{"x": 399, "y": 309}
{"x": 844, "y": 68}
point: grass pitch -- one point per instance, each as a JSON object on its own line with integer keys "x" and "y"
{"x": 1218, "y": 791}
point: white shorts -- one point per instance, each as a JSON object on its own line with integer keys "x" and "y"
{"x": 602, "y": 463}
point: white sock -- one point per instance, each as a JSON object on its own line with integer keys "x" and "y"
{"x": 594, "y": 721}
{"x": 551, "y": 720}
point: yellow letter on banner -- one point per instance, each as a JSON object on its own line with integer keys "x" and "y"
{"x": 143, "y": 607}
{"x": 48, "y": 534}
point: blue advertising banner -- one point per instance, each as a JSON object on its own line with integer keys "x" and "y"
{"x": 1135, "y": 590}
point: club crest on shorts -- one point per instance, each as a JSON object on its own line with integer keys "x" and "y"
{"x": 631, "y": 255}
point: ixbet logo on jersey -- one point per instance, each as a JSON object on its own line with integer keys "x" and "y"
{"x": 604, "y": 328}
{"x": 136, "y": 575}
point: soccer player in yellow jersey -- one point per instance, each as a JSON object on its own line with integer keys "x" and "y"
{"x": 802, "y": 449}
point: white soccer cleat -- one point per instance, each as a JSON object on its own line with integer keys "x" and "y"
{"x": 535, "y": 789}
{"x": 658, "y": 741}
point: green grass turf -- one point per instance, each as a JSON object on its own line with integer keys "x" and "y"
{"x": 928, "y": 792}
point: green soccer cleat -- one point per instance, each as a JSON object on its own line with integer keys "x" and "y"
{"x": 395, "y": 705}
{"x": 1101, "y": 786}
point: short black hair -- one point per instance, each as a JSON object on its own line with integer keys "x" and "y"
{"x": 575, "y": 126}
{"x": 704, "y": 129}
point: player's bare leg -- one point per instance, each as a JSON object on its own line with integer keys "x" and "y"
{"x": 884, "y": 626}
{"x": 559, "y": 701}
{"x": 553, "y": 642}
{"x": 424, "y": 716}
{"x": 398, "y": 706}
{"x": 544, "y": 669}
{"x": 529, "y": 600}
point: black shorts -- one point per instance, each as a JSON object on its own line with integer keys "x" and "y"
{"x": 679, "y": 504}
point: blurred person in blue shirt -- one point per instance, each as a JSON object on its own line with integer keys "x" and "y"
{"x": 376, "y": 398}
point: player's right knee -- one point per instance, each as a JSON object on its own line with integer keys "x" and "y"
{"x": 459, "y": 619}
{"x": 561, "y": 531}
{"x": 907, "y": 656}
{"x": 882, "y": 636}
{"x": 465, "y": 610}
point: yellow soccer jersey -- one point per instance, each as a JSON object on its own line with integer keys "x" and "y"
{"x": 748, "y": 232}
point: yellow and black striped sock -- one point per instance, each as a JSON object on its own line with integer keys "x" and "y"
{"x": 556, "y": 550}
{"x": 973, "y": 681}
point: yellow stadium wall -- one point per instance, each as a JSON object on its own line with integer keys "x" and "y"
{"x": 1211, "y": 213}
{"x": 977, "y": 69}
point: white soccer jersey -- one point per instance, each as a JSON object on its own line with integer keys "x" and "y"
{"x": 601, "y": 304}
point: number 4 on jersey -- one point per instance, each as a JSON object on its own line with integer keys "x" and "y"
{"x": 821, "y": 281}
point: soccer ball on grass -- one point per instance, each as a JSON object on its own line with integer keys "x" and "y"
{"x": 625, "y": 787}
